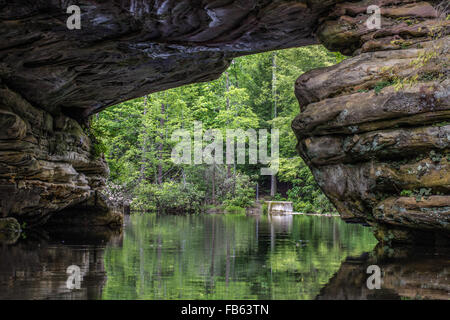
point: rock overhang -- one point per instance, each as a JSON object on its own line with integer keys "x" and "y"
{"x": 129, "y": 48}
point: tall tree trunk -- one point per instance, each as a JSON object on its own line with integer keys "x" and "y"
{"x": 257, "y": 191}
{"x": 183, "y": 172}
{"x": 144, "y": 144}
{"x": 227, "y": 86}
{"x": 213, "y": 191}
{"x": 160, "y": 148}
{"x": 273, "y": 185}
{"x": 274, "y": 85}
{"x": 273, "y": 178}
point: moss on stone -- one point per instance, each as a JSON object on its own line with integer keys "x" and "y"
{"x": 9, "y": 230}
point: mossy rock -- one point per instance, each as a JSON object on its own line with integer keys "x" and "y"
{"x": 9, "y": 230}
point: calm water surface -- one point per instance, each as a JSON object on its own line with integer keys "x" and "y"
{"x": 219, "y": 257}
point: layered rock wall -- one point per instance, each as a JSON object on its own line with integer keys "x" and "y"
{"x": 129, "y": 48}
{"x": 47, "y": 163}
{"x": 375, "y": 129}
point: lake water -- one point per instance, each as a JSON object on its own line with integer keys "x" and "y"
{"x": 220, "y": 257}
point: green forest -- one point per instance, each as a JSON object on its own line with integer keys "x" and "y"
{"x": 255, "y": 92}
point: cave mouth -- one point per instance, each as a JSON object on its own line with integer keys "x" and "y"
{"x": 254, "y": 94}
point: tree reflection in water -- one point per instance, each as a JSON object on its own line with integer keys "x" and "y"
{"x": 220, "y": 257}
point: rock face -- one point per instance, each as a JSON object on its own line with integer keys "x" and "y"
{"x": 47, "y": 163}
{"x": 379, "y": 150}
{"x": 130, "y": 48}
{"x": 374, "y": 129}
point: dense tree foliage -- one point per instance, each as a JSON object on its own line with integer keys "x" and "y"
{"x": 255, "y": 92}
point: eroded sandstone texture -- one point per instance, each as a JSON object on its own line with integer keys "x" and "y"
{"x": 380, "y": 154}
{"x": 47, "y": 163}
{"x": 128, "y": 48}
{"x": 375, "y": 129}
